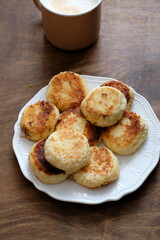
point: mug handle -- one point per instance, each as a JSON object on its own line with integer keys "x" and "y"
{"x": 37, "y": 4}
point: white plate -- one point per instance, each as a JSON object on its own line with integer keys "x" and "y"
{"x": 134, "y": 168}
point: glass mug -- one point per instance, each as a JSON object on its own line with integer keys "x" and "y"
{"x": 70, "y": 31}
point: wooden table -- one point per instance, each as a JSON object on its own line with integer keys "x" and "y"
{"x": 128, "y": 49}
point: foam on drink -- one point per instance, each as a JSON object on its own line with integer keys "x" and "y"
{"x": 70, "y": 7}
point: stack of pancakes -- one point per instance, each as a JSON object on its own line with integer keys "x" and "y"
{"x": 72, "y": 121}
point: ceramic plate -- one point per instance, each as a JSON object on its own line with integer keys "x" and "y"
{"x": 135, "y": 168}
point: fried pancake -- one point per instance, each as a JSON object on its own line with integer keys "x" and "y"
{"x": 38, "y": 120}
{"x": 104, "y": 106}
{"x": 127, "y": 135}
{"x": 67, "y": 90}
{"x": 67, "y": 150}
{"x": 73, "y": 119}
{"x": 44, "y": 171}
{"x": 126, "y": 90}
{"x": 102, "y": 169}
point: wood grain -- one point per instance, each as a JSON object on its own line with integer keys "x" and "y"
{"x": 128, "y": 49}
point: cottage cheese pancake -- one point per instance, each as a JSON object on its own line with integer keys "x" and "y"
{"x": 102, "y": 169}
{"x": 73, "y": 119}
{"x": 126, "y": 90}
{"x": 67, "y": 150}
{"x": 127, "y": 135}
{"x": 44, "y": 171}
{"x": 38, "y": 120}
{"x": 67, "y": 90}
{"x": 104, "y": 106}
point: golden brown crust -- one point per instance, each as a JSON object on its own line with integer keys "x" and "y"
{"x": 39, "y": 159}
{"x": 102, "y": 169}
{"x": 126, "y": 90}
{"x": 101, "y": 157}
{"x": 129, "y": 131}
{"x": 43, "y": 170}
{"x": 104, "y": 106}
{"x": 73, "y": 119}
{"x": 127, "y": 135}
{"x": 38, "y": 120}
{"x": 67, "y": 90}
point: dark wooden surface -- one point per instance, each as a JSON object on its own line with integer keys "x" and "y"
{"x": 128, "y": 49}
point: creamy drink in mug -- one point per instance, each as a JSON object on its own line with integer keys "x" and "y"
{"x": 70, "y": 24}
{"x": 71, "y": 7}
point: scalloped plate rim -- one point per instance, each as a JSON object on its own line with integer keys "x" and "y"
{"x": 114, "y": 197}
